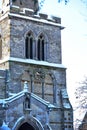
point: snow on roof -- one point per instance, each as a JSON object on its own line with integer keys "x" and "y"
{"x": 80, "y": 115}
{"x": 66, "y": 105}
{"x": 40, "y": 99}
{"x": 35, "y": 62}
{"x": 1, "y": 77}
{"x": 3, "y": 102}
{"x": 64, "y": 93}
{"x": 34, "y": 19}
{"x": 11, "y": 99}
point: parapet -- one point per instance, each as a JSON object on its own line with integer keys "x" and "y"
{"x": 29, "y": 12}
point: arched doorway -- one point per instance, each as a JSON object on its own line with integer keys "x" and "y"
{"x": 26, "y": 126}
{"x": 29, "y": 123}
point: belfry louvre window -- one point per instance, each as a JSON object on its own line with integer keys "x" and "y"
{"x": 40, "y": 48}
{"x": 29, "y": 46}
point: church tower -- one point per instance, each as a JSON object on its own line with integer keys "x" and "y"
{"x": 33, "y": 91}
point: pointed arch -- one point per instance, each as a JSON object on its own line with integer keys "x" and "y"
{"x": 29, "y": 122}
{"x": 40, "y": 47}
{"x": 29, "y": 41}
{"x": 26, "y": 126}
{"x": 36, "y": 48}
{"x": 44, "y": 35}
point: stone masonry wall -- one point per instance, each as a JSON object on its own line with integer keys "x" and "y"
{"x": 19, "y": 29}
{"x": 18, "y": 69}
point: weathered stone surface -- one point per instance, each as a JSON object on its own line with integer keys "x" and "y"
{"x": 20, "y": 27}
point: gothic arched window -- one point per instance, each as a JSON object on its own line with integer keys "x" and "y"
{"x": 40, "y": 48}
{"x": 29, "y": 46}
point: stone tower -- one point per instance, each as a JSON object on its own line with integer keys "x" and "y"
{"x": 32, "y": 78}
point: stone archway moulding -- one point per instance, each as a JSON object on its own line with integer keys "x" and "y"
{"x": 30, "y": 120}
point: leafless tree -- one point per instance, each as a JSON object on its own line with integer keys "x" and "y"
{"x": 81, "y": 94}
{"x": 81, "y": 103}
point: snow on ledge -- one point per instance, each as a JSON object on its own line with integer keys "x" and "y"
{"x": 34, "y": 62}
{"x": 34, "y": 19}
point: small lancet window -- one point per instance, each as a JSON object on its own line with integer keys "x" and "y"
{"x": 29, "y": 46}
{"x": 41, "y": 47}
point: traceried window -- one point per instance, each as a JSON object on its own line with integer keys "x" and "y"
{"x": 35, "y": 49}
{"x": 40, "y": 48}
{"x": 29, "y": 46}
